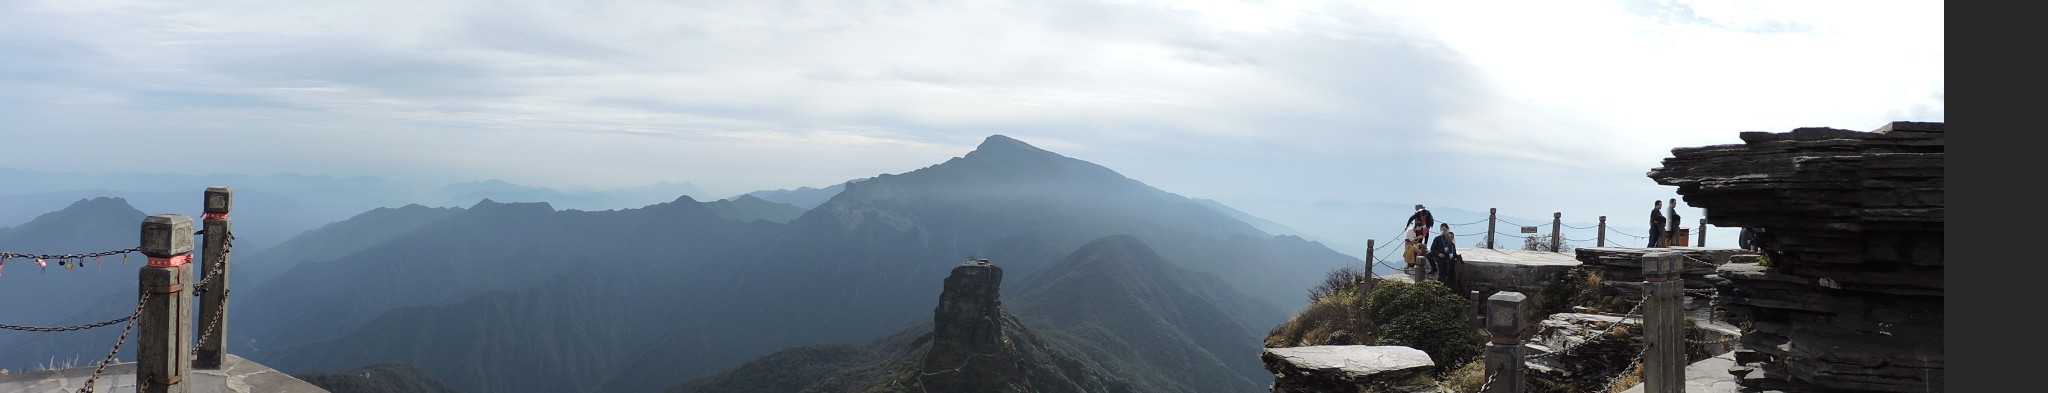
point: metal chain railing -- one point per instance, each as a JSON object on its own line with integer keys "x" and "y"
{"x": 1627, "y": 370}
{"x": 111, "y": 353}
{"x": 1469, "y": 223}
{"x": 80, "y": 257}
{"x": 1589, "y": 340}
{"x": 1619, "y": 232}
{"x": 62, "y": 328}
{"x": 9, "y": 255}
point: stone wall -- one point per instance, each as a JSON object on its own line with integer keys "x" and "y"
{"x": 1848, "y": 296}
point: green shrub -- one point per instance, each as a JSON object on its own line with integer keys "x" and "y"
{"x": 1426, "y": 316}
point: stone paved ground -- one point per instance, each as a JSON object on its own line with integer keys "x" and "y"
{"x": 1707, "y": 376}
{"x": 236, "y": 375}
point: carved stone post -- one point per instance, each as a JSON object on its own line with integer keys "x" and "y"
{"x": 1601, "y": 239}
{"x": 1504, "y": 350}
{"x": 1702, "y": 232}
{"x": 213, "y": 308}
{"x": 1490, "y": 218}
{"x": 1368, "y": 258}
{"x": 1664, "y": 323}
{"x": 161, "y": 361}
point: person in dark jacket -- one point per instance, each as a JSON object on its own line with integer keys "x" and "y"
{"x": 1747, "y": 239}
{"x": 1671, "y": 232}
{"x": 1421, "y": 217}
{"x": 1443, "y": 254}
{"x": 1657, "y": 225}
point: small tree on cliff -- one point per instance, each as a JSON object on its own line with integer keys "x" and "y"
{"x": 1542, "y": 243}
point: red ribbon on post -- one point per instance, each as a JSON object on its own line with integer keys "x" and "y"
{"x": 214, "y": 216}
{"x": 174, "y": 261}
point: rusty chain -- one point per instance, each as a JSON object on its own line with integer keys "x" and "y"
{"x": 220, "y": 263}
{"x": 117, "y": 345}
{"x": 9, "y": 255}
{"x": 63, "y": 328}
{"x": 1626, "y": 370}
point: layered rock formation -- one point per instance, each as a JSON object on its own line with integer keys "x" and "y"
{"x": 1348, "y": 368}
{"x": 968, "y": 350}
{"x": 974, "y": 346}
{"x": 1621, "y": 273}
{"x": 970, "y": 308}
{"x": 1582, "y": 352}
{"x": 1849, "y": 294}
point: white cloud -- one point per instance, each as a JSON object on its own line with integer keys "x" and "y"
{"x": 1225, "y": 99}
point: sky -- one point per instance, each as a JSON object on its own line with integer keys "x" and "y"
{"x": 1530, "y": 107}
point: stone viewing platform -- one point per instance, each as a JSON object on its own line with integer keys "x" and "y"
{"x": 237, "y": 375}
{"x": 1346, "y": 368}
{"x": 1490, "y": 270}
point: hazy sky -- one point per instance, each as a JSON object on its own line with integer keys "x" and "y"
{"x": 1525, "y": 106}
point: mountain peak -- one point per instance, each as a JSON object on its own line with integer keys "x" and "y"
{"x": 999, "y": 142}
{"x": 117, "y": 203}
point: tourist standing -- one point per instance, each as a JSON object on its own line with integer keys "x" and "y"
{"x": 1657, "y": 224}
{"x": 1671, "y": 232}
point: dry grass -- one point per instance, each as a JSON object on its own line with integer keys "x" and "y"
{"x": 1629, "y": 380}
{"x": 1466, "y": 379}
{"x": 1336, "y": 305}
{"x": 1322, "y": 319}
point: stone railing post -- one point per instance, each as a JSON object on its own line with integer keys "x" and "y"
{"x": 1504, "y": 350}
{"x": 1664, "y": 323}
{"x": 161, "y": 361}
{"x": 1421, "y": 263}
{"x": 1490, "y": 218}
{"x": 1601, "y": 239}
{"x": 1556, "y": 238}
{"x": 1702, "y": 231}
{"x": 1368, "y": 258}
{"x": 213, "y": 297}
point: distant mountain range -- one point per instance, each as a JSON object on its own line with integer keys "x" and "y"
{"x": 525, "y": 297}
{"x": 272, "y": 208}
{"x": 102, "y": 289}
{"x": 802, "y": 197}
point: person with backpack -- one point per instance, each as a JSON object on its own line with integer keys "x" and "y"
{"x": 1421, "y": 217}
